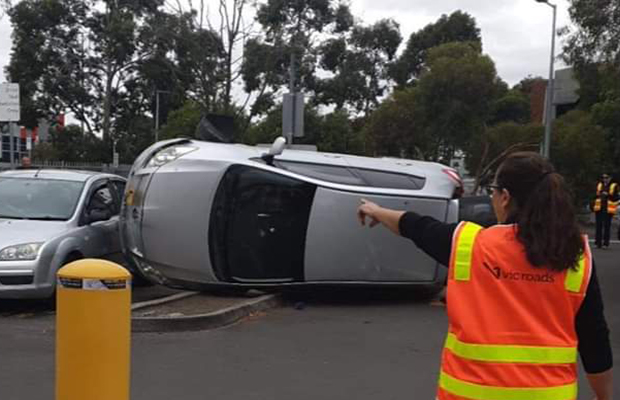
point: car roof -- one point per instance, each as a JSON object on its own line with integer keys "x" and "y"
{"x": 60, "y": 174}
{"x": 244, "y": 152}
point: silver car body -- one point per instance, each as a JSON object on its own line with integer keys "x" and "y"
{"x": 170, "y": 229}
{"x": 61, "y": 241}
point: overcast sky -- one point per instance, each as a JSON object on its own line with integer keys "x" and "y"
{"x": 515, "y": 33}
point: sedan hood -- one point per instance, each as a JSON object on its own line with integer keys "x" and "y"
{"x": 15, "y": 231}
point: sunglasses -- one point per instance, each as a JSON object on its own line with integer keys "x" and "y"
{"x": 489, "y": 188}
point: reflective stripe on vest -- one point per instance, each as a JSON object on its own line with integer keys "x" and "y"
{"x": 574, "y": 279}
{"x": 482, "y": 392}
{"x": 612, "y": 206}
{"x": 510, "y": 353}
{"x": 464, "y": 250}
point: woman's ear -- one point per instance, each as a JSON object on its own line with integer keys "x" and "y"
{"x": 505, "y": 200}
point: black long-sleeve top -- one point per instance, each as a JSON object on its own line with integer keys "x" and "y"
{"x": 435, "y": 239}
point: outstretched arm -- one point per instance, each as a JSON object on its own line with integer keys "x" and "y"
{"x": 601, "y": 385}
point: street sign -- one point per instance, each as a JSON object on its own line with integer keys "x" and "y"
{"x": 293, "y": 115}
{"x": 28, "y": 143}
{"x": 9, "y": 102}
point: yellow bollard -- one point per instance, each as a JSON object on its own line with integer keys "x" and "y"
{"x": 93, "y": 331}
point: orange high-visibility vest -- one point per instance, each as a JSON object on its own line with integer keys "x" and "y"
{"x": 511, "y": 326}
{"x": 612, "y": 206}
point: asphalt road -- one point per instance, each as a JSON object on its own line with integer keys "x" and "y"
{"x": 328, "y": 347}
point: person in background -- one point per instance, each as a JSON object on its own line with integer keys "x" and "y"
{"x": 523, "y": 297}
{"x": 605, "y": 207}
{"x": 25, "y": 164}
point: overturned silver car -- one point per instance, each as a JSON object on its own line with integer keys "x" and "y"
{"x": 201, "y": 214}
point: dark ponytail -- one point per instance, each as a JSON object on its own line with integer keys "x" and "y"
{"x": 543, "y": 210}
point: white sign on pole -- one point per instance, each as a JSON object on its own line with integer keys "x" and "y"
{"x": 9, "y": 102}
{"x": 28, "y": 143}
{"x": 293, "y": 115}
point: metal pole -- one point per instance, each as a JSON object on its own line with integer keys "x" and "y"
{"x": 292, "y": 90}
{"x": 11, "y": 145}
{"x": 550, "y": 87}
{"x": 113, "y": 150}
{"x": 157, "y": 116}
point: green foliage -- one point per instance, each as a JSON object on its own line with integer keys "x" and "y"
{"x": 579, "y": 152}
{"x": 526, "y": 85}
{"x": 455, "y": 95}
{"x": 514, "y": 106}
{"x": 359, "y": 63}
{"x": 394, "y": 128}
{"x": 70, "y": 145}
{"x": 595, "y": 37}
{"x": 270, "y": 127}
{"x": 44, "y": 152}
{"x": 489, "y": 147}
{"x": 182, "y": 122}
{"x": 338, "y": 135}
{"x": 456, "y": 27}
{"x": 290, "y": 28}
{"x": 607, "y": 115}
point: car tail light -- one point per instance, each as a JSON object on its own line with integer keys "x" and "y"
{"x": 456, "y": 178}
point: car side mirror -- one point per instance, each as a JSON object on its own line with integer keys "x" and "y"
{"x": 275, "y": 150}
{"x": 98, "y": 215}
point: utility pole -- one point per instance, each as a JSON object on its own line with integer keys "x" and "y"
{"x": 293, "y": 92}
{"x": 292, "y": 105}
{"x": 550, "y": 85}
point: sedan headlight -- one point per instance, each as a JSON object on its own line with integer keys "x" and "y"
{"x": 20, "y": 252}
{"x": 169, "y": 154}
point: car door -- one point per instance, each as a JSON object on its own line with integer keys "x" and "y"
{"x": 117, "y": 188}
{"x": 338, "y": 248}
{"x": 102, "y": 236}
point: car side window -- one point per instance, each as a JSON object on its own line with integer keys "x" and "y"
{"x": 330, "y": 173}
{"x": 101, "y": 199}
{"x": 391, "y": 180}
{"x": 354, "y": 176}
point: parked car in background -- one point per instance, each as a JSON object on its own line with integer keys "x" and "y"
{"x": 49, "y": 218}
{"x": 478, "y": 209}
{"x": 201, "y": 214}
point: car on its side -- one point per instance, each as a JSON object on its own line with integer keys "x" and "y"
{"x": 201, "y": 215}
{"x": 49, "y": 218}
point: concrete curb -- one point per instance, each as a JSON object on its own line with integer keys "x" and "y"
{"x": 216, "y": 319}
{"x": 163, "y": 300}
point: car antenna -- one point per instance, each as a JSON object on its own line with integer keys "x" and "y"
{"x": 36, "y": 174}
{"x": 276, "y": 149}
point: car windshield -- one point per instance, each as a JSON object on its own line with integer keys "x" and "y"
{"x": 40, "y": 199}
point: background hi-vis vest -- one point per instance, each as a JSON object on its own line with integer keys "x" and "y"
{"x": 612, "y": 206}
{"x": 511, "y": 326}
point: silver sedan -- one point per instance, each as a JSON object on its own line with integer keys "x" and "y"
{"x": 200, "y": 214}
{"x": 49, "y": 218}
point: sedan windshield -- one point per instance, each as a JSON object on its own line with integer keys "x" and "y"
{"x": 42, "y": 199}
